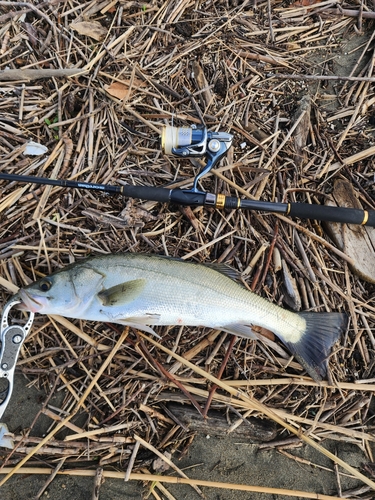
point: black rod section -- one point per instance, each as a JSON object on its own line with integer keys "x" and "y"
{"x": 311, "y": 211}
{"x": 279, "y": 208}
{"x": 188, "y": 197}
{"x": 162, "y": 195}
{"x": 61, "y": 182}
{"x": 333, "y": 214}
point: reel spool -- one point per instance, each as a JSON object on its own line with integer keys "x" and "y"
{"x": 184, "y": 141}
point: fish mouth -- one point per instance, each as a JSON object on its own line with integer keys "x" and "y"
{"x": 29, "y": 303}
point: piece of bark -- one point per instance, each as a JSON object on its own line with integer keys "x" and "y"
{"x": 291, "y": 296}
{"x": 9, "y": 75}
{"x": 254, "y": 429}
{"x": 99, "y": 480}
{"x": 357, "y": 242}
{"x": 93, "y": 29}
{"x": 202, "y": 82}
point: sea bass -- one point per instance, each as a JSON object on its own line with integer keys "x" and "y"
{"x": 142, "y": 290}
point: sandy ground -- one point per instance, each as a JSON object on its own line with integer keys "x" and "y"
{"x": 215, "y": 459}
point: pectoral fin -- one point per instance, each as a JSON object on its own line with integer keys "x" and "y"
{"x": 123, "y": 293}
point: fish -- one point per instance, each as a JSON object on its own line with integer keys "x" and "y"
{"x": 145, "y": 290}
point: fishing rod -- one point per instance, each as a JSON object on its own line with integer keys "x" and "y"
{"x": 192, "y": 142}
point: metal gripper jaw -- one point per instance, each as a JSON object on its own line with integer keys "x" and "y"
{"x": 12, "y": 338}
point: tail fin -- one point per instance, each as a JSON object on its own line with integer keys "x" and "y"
{"x": 314, "y": 347}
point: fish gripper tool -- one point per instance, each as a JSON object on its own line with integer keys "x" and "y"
{"x": 12, "y": 338}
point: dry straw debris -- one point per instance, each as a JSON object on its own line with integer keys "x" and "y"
{"x": 94, "y": 82}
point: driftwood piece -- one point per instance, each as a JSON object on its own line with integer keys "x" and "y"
{"x": 302, "y": 130}
{"x": 252, "y": 429}
{"x": 10, "y": 75}
{"x": 131, "y": 216}
{"x": 99, "y": 479}
{"x": 358, "y": 242}
{"x": 108, "y": 219}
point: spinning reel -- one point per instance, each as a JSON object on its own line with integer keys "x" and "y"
{"x": 193, "y": 142}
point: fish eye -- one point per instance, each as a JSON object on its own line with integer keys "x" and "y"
{"x": 45, "y": 285}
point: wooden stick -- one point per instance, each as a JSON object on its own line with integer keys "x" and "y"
{"x": 353, "y": 158}
{"x": 95, "y": 432}
{"x": 176, "y": 480}
{"x": 132, "y": 460}
{"x": 50, "y": 479}
{"x": 360, "y": 385}
{"x": 207, "y": 245}
{"x": 322, "y": 77}
{"x": 110, "y": 46}
{"x": 348, "y": 13}
{"x": 10, "y": 75}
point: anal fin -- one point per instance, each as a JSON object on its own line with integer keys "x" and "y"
{"x": 240, "y": 330}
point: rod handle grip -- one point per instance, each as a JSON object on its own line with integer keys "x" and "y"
{"x": 332, "y": 214}
{"x": 164, "y": 195}
{"x": 161, "y": 195}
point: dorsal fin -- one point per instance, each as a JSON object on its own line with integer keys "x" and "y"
{"x": 228, "y": 271}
